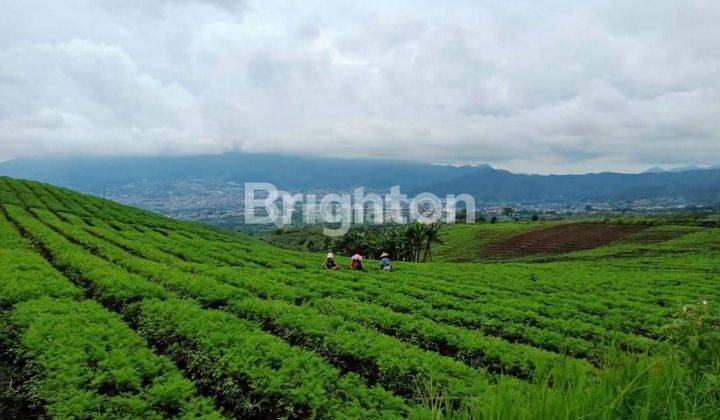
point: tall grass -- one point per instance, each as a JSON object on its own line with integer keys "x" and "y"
{"x": 681, "y": 381}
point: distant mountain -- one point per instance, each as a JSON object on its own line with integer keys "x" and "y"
{"x": 687, "y": 168}
{"x": 93, "y": 173}
{"x": 485, "y": 183}
{"x": 659, "y": 170}
{"x": 492, "y": 185}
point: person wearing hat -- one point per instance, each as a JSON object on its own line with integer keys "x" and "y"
{"x": 385, "y": 263}
{"x": 330, "y": 262}
{"x": 356, "y": 262}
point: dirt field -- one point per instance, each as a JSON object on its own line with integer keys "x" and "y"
{"x": 560, "y": 239}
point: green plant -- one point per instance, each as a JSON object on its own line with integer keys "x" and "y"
{"x": 265, "y": 332}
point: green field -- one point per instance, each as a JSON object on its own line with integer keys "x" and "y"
{"x": 466, "y": 242}
{"x": 109, "y": 311}
{"x": 504, "y": 241}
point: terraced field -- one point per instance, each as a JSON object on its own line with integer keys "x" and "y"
{"x": 109, "y": 311}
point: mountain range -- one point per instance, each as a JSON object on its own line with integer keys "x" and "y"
{"x": 495, "y": 185}
{"x": 657, "y": 169}
{"x": 488, "y": 185}
{"x": 93, "y": 173}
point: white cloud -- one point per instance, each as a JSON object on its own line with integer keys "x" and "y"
{"x": 531, "y": 86}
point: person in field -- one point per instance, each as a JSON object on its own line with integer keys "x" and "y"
{"x": 330, "y": 263}
{"x": 356, "y": 262}
{"x": 385, "y": 263}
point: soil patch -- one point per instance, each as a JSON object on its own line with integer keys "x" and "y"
{"x": 560, "y": 239}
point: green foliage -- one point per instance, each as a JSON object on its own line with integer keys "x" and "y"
{"x": 24, "y": 274}
{"x": 254, "y": 373}
{"x": 307, "y": 238}
{"x": 83, "y": 361}
{"x": 410, "y": 242}
{"x": 266, "y": 333}
{"x": 695, "y": 335}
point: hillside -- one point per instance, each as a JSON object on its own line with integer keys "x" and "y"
{"x": 468, "y": 242}
{"x": 111, "y": 311}
{"x": 533, "y": 240}
{"x": 493, "y": 186}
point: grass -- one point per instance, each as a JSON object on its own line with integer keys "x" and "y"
{"x": 679, "y": 382}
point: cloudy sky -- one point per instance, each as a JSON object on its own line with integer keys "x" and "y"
{"x": 531, "y": 86}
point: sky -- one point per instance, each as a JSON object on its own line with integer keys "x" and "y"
{"x": 529, "y": 86}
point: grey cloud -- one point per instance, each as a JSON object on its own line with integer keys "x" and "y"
{"x": 541, "y": 86}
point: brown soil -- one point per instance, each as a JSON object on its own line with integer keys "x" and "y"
{"x": 561, "y": 239}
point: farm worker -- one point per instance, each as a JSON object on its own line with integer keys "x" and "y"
{"x": 356, "y": 262}
{"x": 330, "y": 262}
{"x": 385, "y": 262}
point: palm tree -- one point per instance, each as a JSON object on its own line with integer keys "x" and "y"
{"x": 416, "y": 237}
{"x": 411, "y": 242}
{"x": 432, "y": 235}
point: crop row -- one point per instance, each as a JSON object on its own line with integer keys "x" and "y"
{"x": 81, "y": 360}
{"x": 118, "y": 217}
{"x": 153, "y": 254}
{"x": 470, "y": 346}
{"x": 489, "y": 317}
{"x": 634, "y": 306}
{"x": 473, "y": 348}
{"x": 638, "y": 318}
{"x": 306, "y": 323}
{"x": 251, "y": 368}
{"x": 309, "y": 385}
{"x": 7, "y": 194}
{"x": 550, "y": 297}
{"x": 47, "y": 200}
{"x": 24, "y": 275}
{"x": 597, "y": 292}
{"x": 556, "y": 292}
{"x": 501, "y": 311}
{"x": 299, "y": 290}
{"x": 76, "y": 359}
{"x": 574, "y": 328}
{"x": 635, "y": 318}
{"x": 403, "y": 370}
{"x": 202, "y": 254}
{"x": 69, "y": 205}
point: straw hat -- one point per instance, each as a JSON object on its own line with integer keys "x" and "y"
{"x": 330, "y": 256}
{"x": 384, "y": 254}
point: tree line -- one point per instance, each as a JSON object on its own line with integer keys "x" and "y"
{"x": 410, "y": 242}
